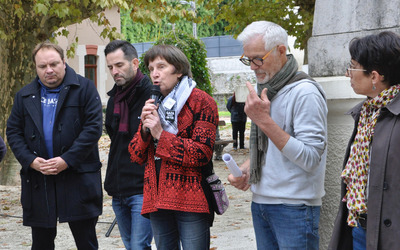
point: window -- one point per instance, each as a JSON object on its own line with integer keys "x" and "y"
{"x": 91, "y": 68}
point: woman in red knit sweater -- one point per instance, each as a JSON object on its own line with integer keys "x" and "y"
{"x": 176, "y": 140}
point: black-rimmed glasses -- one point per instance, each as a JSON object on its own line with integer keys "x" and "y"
{"x": 257, "y": 61}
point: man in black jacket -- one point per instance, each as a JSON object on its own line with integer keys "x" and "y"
{"x": 238, "y": 120}
{"x": 3, "y": 149}
{"x": 124, "y": 179}
{"x": 53, "y": 130}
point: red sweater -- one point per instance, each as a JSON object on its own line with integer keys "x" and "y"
{"x": 183, "y": 155}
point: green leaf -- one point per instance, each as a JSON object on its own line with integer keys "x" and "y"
{"x": 41, "y": 9}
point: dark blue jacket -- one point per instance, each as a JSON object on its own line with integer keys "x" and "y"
{"x": 237, "y": 110}
{"x": 124, "y": 177}
{"x": 3, "y": 149}
{"x": 76, "y": 193}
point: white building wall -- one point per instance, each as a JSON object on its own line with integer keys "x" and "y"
{"x": 89, "y": 34}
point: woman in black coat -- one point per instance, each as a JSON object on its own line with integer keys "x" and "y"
{"x": 368, "y": 216}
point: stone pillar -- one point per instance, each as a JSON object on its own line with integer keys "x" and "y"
{"x": 335, "y": 24}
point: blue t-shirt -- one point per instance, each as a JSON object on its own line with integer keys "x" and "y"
{"x": 49, "y": 99}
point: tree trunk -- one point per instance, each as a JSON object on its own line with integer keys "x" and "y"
{"x": 16, "y": 70}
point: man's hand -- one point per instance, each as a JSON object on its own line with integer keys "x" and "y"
{"x": 256, "y": 105}
{"x": 52, "y": 166}
{"x": 259, "y": 110}
{"x": 241, "y": 182}
{"x": 38, "y": 163}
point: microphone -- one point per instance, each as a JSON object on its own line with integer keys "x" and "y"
{"x": 155, "y": 95}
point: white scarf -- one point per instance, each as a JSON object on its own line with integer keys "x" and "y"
{"x": 178, "y": 96}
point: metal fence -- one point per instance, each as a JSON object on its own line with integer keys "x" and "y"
{"x": 216, "y": 46}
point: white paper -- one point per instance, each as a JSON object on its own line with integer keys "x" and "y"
{"x": 233, "y": 167}
{"x": 241, "y": 93}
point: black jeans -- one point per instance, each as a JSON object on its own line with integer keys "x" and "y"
{"x": 238, "y": 127}
{"x": 84, "y": 232}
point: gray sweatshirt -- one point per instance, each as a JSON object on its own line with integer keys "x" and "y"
{"x": 296, "y": 174}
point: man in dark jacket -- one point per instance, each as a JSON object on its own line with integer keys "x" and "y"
{"x": 238, "y": 120}
{"x": 124, "y": 179}
{"x": 3, "y": 149}
{"x": 53, "y": 130}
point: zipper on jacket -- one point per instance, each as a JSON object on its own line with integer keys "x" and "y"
{"x": 45, "y": 191}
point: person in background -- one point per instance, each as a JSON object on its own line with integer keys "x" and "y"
{"x": 124, "y": 179}
{"x": 288, "y": 141}
{"x": 176, "y": 142}
{"x": 53, "y": 130}
{"x": 3, "y": 149}
{"x": 368, "y": 212}
{"x": 238, "y": 120}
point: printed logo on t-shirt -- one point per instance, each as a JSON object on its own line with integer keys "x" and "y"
{"x": 50, "y": 102}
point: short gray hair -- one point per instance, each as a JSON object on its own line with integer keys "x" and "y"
{"x": 272, "y": 34}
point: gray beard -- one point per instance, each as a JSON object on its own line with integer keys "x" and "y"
{"x": 265, "y": 80}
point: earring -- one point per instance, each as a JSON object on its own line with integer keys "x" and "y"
{"x": 373, "y": 86}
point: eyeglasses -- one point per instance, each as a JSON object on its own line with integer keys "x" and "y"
{"x": 350, "y": 69}
{"x": 257, "y": 61}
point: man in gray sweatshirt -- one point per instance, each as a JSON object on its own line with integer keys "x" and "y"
{"x": 288, "y": 139}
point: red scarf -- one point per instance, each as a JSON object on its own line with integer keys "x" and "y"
{"x": 123, "y": 98}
